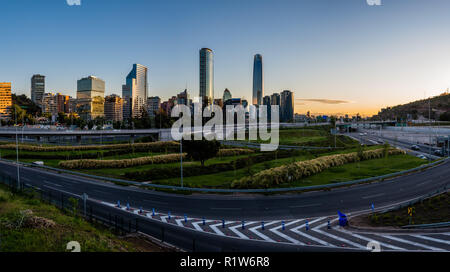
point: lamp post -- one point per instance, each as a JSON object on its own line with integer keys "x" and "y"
{"x": 181, "y": 161}
{"x": 17, "y": 152}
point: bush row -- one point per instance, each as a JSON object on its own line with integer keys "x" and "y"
{"x": 295, "y": 171}
{"x": 97, "y": 164}
{"x": 136, "y": 147}
{"x": 196, "y": 170}
{"x": 124, "y": 163}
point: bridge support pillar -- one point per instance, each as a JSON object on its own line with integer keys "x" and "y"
{"x": 132, "y": 138}
{"x": 79, "y": 139}
{"x": 38, "y": 138}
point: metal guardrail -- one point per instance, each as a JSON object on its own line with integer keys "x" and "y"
{"x": 428, "y": 226}
{"x": 206, "y": 190}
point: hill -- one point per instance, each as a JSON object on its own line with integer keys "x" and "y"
{"x": 440, "y": 109}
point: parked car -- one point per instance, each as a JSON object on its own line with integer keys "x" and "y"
{"x": 438, "y": 152}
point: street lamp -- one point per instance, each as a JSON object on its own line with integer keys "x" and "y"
{"x": 17, "y": 152}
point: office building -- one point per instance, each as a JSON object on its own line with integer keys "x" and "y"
{"x": 135, "y": 92}
{"x": 5, "y": 100}
{"x": 37, "y": 88}
{"x": 258, "y": 80}
{"x": 91, "y": 98}
{"x": 113, "y": 108}
{"x": 287, "y": 106}
{"x": 226, "y": 95}
{"x": 206, "y": 75}
{"x": 153, "y": 105}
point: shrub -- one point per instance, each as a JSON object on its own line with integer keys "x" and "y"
{"x": 295, "y": 171}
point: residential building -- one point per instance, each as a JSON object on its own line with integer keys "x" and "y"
{"x": 5, "y": 100}
{"x": 153, "y": 105}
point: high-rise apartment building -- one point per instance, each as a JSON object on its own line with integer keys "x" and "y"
{"x": 135, "y": 92}
{"x": 258, "y": 80}
{"x": 287, "y": 106}
{"x": 49, "y": 104}
{"x": 113, "y": 108}
{"x": 91, "y": 97}
{"x": 5, "y": 100}
{"x": 206, "y": 75}
{"x": 37, "y": 88}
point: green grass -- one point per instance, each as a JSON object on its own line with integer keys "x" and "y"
{"x": 433, "y": 210}
{"x": 347, "y": 172}
{"x": 20, "y": 238}
{"x": 360, "y": 170}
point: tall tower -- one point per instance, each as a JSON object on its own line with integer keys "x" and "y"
{"x": 206, "y": 74}
{"x": 37, "y": 88}
{"x": 287, "y": 106}
{"x": 135, "y": 92}
{"x": 258, "y": 80}
{"x": 91, "y": 97}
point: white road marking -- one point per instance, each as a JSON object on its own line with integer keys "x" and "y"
{"x": 216, "y": 230}
{"x": 296, "y": 230}
{"x": 284, "y": 236}
{"x": 306, "y": 206}
{"x": 373, "y": 196}
{"x": 368, "y": 239}
{"x": 254, "y": 230}
{"x": 241, "y": 235}
{"x": 225, "y": 209}
{"x": 431, "y": 239}
{"x": 410, "y": 242}
{"x": 197, "y": 227}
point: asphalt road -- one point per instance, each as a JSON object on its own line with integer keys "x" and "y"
{"x": 246, "y": 207}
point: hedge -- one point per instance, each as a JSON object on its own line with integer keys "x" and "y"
{"x": 154, "y": 146}
{"x": 125, "y": 163}
{"x": 295, "y": 171}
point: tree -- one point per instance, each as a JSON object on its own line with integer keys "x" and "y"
{"x": 201, "y": 150}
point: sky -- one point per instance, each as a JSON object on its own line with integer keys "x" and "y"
{"x": 337, "y": 56}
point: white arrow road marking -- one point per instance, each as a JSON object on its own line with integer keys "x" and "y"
{"x": 197, "y": 227}
{"x": 216, "y": 230}
{"x": 234, "y": 229}
{"x": 179, "y": 221}
{"x": 164, "y": 218}
{"x": 431, "y": 239}
{"x": 254, "y": 230}
{"x": 296, "y": 230}
{"x": 368, "y": 239}
{"x": 317, "y": 229}
{"x": 409, "y": 242}
{"x": 284, "y": 236}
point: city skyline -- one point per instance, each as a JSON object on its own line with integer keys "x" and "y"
{"x": 327, "y": 53}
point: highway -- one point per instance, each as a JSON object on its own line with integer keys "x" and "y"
{"x": 246, "y": 207}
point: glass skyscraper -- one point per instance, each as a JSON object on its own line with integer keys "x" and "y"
{"x": 206, "y": 74}
{"x": 287, "y": 106}
{"x": 91, "y": 97}
{"x": 37, "y": 88}
{"x": 135, "y": 92}
{"x": 258, "y": 80}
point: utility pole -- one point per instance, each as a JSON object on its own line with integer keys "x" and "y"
{"x": 181, "y": 160}
{"x": 429, "y": 120}
{"x": 17, "y": 151}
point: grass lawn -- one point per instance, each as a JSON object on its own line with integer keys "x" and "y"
{"x": 347, "y": 172}
{"x": 433, "y": 210}
{"x": 360, "y": 170}
{"x": 19, "y": 235}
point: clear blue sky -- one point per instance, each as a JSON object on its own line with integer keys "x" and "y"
{"x": 369, "y": 56}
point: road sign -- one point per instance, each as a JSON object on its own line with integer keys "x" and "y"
{"x": 410, "y": 211}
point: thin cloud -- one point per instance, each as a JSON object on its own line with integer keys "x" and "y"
{"x": 325, "y": 101}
